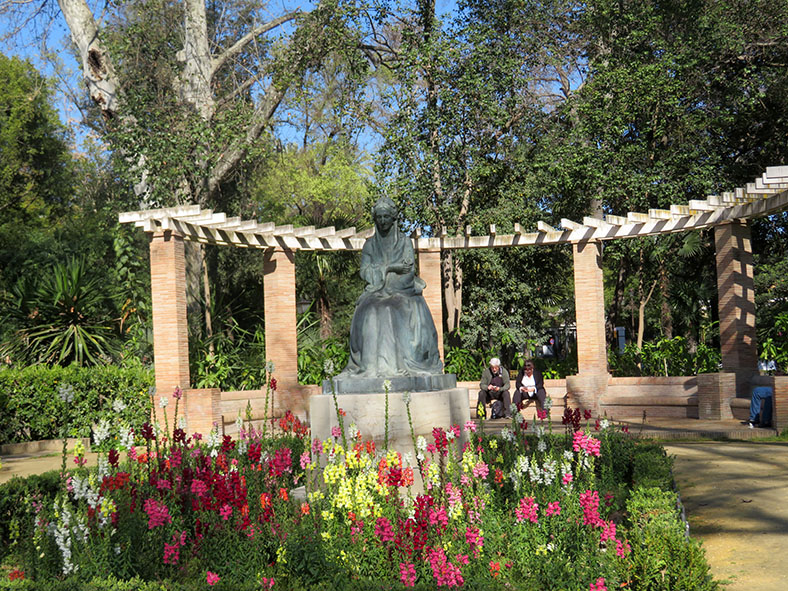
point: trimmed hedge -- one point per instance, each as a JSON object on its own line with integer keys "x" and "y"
{"x": 32, "y": 409}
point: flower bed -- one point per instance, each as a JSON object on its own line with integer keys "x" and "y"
{"x": 528, "y": 509}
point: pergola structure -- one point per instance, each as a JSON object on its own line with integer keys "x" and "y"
{"x": 727, "y": 214}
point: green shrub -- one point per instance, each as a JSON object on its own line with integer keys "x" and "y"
{"x": 663, "y": 557}
{"x": 16, "y": 506}
{"x": 32, "y": 409}
{"x": 651, "y": 467}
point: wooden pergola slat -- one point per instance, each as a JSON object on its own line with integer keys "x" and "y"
{"x": 766, "y": 195}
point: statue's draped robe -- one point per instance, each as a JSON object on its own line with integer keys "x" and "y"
{"x": 392, "y": 333}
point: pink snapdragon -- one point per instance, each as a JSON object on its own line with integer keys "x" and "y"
{"x": 407, "y": 574}
{"x": 475, "y": 539}
{"x": 305, "y": 460}
{"x": 587, "y": 443}
{"x": 528, "y": 510}
{"x": 226, "y": 512}
{"x": 317, "y": 447}
{"x": 598, "y": 586}
{"x": 481, "y": 470}
{"x": 445, "y": 572}
{"x": 211, "y": 578}
{"x": 199, "y": 488}
{"x": 622, "y": 548}
{"x": 608, "y": 531}
{"x": 553, "y": 509}
{"x": 567, "y": 478}
{"x": 172, "y": 551}
{"x": 267, "y": 583}
{"x": 589, "y": 501}
{"x": 470, "y": 427}
{"x": 383, "y": 530}
{"x": 158, "y": 513}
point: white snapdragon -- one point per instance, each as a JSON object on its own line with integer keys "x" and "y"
{"x": 387, "y": 385}
{"x": 101, "y": 431}
{"x": 163, "y": 402}
{"x": 541, "y": 446}
{"x": 269, "y": 367}
{"x": 66, "y": 393}
{"x": 103, "y": 467}
{"x": 507, "y": 434}
{"x": 126, "y": 437}
{"x": 118, "y": 405}
{"x": 406, "y": 398}
{"x": 213, "y": 442}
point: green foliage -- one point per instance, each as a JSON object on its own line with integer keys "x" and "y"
{"x": 665, "y": 357}
{"x": 664, "y": 558}
{"x": 32, "y": 408}
{"x": 17, "y": 513}
{"x": 61, "y": 314}
{"x": 35, "y": 174}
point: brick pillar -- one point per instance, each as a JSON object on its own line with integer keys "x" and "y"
{"x": 281, "y": 345}
{"x": 585, "y": 389}
{"x": 736, "y": 294}
{"x": 202, "y": 408}
{"x": 430, "y": 272}
{"x": 590, "y": 308}
{"x": 168, "y": 298}
{"x": 715, "y": 391}
{"x": 780, "y": 401}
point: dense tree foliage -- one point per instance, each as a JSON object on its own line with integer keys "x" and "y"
{"x": 501, "y": 112}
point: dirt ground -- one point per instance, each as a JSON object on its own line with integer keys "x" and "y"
{"x": 736, "y": 498}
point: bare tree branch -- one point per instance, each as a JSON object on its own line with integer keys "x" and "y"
{"x": 239, "y": 45}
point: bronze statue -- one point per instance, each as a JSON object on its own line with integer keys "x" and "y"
{"x": 392, "y": 332}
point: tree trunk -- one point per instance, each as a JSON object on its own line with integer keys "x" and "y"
{"x": 642, "y": 313}
{"x": 667, "y": 317}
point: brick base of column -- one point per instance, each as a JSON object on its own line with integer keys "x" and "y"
{"x": 715, "y": 391}
{"x": 780, "y": 418}
{"x": 202, "y": 408}
{"x": 584, "y": 391}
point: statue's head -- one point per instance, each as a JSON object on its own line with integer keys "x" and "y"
{"x": 384, "y": 204}
{"x": 384, "y": 212}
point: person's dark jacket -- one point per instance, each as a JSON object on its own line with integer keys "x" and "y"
{"x": 487, "y": 377}
{"x": 541, "y": 393}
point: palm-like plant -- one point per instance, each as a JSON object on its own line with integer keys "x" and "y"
{"x": 62, "y": 316}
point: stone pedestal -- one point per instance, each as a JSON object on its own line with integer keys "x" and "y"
{"x": 425, "y": 383}
{"x": 428, "y": 409}
{"x": 584, "y": 391}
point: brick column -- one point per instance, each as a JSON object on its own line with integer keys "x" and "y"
{"x": 585, "y": 389}
{"x": 281, "y": 347}
{"x": 780, "y": 417}
{"x": 168, "y": 298}
{"x": 430, "y": 272}
{"x": 202, "y": 408}
{"x": 590, "y": 308}
{"x": 736, "y": 295}
{"x": 715, "y": 391}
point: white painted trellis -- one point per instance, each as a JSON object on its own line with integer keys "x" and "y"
{"x": 767, "y": 195}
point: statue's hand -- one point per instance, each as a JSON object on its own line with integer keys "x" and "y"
{"x": 372, "y": 287}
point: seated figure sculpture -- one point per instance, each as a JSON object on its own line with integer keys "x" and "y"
{"x": 392, "y": 332}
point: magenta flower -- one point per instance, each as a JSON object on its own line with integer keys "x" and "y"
{"x": 383, "y": 530}
{"x": 567, "y": 479}
{"x": 177, "y": 393}
{"x": 213, "y": 578}
{"x": 553, "y": 509}
{"x": 226, "y": 511}
{"x": 158, "y": 513}
{"x": 608, "y": 531}
{"x": 407, "y": 574}
{"x": 470, "y": 426}
{"x": 305, "y": 460}
{"x": 589, "y": 501}
{"x": 527, "y": 510}
{"x": 587, "y": 443}
{"x": 267, "y": 583}
{"x": 317, "y": 447}
{"x": 336, "y": 432}
{"x": 622, "y": 548}
{"x": 599, "y": 586}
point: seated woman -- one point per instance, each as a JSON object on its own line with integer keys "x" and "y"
{"x": 392, "y": 332}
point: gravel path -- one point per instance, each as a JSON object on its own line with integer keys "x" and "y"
{"x": 736, "y": 497}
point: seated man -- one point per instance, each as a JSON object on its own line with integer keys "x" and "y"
{"x": 528, "y": 387}
{"x": 494, "y": 386}
{"x": 760, "y": 403}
